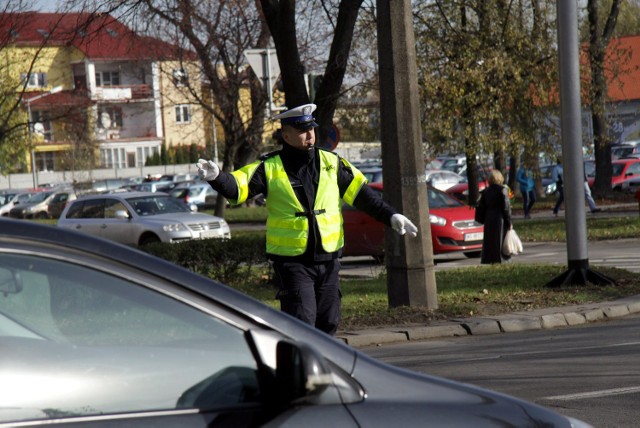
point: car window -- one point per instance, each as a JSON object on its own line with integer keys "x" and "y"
{"x": 150, "y": 205}
{"x": 633, "y": 169}
{"x": 441, "y": 200}
{"x": 92, "y": 208}
{"x": 79, "y": 341}
{"x": 111, "y": 206}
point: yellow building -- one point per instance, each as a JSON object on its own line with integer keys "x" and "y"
{"x": 96, "y": 89}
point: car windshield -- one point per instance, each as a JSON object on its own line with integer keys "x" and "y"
{"x": 154, "y": 205}
{"x": 622, "y": 152}
{"x": 39, "y": 197}
{"x": 6, "y": 198}
{"x": 442, "y": 200}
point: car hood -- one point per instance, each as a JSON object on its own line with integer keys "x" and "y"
{"x": 434, "y": 401}
{"x": 454, "y": 214}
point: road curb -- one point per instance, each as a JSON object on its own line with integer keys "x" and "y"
{"x": 543, "y": 319}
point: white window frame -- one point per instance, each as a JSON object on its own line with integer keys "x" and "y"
{"x": 34, "y": 80}
{"x": 106, "y": 78}
{"x": 183, "y": 113}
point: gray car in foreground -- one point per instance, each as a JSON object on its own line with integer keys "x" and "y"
{"x": 139, "y": 218}
{"x": 95, "y": 333}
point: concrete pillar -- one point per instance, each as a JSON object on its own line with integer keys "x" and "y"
{"x": 411, "y": 273}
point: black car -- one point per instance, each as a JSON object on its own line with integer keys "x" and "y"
{"x": 97, "y": 333}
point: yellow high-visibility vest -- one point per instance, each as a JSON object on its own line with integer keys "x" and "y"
{"x": 287, "y": 220}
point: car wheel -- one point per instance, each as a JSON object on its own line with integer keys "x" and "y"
{"x": 42, "y": 215}
{"x": 147, "y": 239}
{"x": 473, "y": 254}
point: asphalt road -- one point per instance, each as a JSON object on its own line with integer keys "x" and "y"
{"x": 621, "y": 253}
{"x": 590, "y": 372}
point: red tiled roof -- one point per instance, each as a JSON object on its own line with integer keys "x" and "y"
{"x": 63, "y": 98}
{"x": 623, "y": 68}
{"x": 98, "y": 36}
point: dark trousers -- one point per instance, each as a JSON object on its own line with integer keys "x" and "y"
{"x": 528, "y": 199}
{"x": 559, "y": 201}
{"x": 310, "y": 292}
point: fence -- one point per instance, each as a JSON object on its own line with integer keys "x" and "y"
{"x": 25, "y": 181}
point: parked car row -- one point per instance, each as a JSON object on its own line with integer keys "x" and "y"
{"x": 33, "y": 204}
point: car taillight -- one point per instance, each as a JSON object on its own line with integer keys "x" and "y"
{"x": 186, "y": 198}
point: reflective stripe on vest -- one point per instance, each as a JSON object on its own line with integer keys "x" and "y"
{"x": 358, "y": 181}
{"x": 243, "y": 176}
{"x": 287, "y": 221}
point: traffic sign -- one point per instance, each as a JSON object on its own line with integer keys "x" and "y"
{"x": 332, "y": 140}
{"x": 264, "y": 62}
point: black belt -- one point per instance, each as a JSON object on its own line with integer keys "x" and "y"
{"x": 310, "y": 213}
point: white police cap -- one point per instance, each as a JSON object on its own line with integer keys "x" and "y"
{"x": 299, "y": 117}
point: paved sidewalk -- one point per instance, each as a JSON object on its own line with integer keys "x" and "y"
{"x": 548, "y": 318}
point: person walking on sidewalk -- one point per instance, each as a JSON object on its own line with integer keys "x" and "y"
{"x": 557, "y": 177}
{"x": 494, "y": 211}
{"x": 524, "y": 177}
{"x": 304, "y": 187}
{"x": 588, "y": 197}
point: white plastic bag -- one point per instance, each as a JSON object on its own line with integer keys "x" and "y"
{"x": 512, "y": 245}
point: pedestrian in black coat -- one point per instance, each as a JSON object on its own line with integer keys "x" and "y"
{"x": 494, "y": 211}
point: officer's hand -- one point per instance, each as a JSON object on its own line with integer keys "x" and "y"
{"x": 402, "y": 225}
{"x": 207, "y": 170}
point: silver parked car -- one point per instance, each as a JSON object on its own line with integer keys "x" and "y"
{"x": 139, "y": 218}
{"x": 36, "y": 207}
{"x": 200, "y": 194}
{"x": 15, "y": 200}
{"x": 100, "y": 334}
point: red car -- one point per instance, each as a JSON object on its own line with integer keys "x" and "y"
{"x": 453, "y": 228}
{"x": 622, "y": 170}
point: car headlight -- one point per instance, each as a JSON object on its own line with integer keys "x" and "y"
{"x": 30, "y": 209}
{"x": 437, "y": 220}
{"x": 174, "y": 227}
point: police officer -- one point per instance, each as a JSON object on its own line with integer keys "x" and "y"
{"x": 304, "y": 187}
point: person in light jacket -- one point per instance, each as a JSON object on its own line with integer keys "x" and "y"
{"x": 524, "y": 177}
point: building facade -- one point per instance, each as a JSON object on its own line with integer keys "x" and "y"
{"x": 96, "y": 93}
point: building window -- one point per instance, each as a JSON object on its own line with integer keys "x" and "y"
{"x": 41, "y": 124}
{"x": 45, "y": 161}
{"x": 110, "y": 118}
{"x": 107, "y": 78}
{"x": 34, "y": 80}
{"x": 180, "y": 77}
{"x": 113, "y": 158}
{"x": 144, "y": 153}
{"x": 183, "y": 113}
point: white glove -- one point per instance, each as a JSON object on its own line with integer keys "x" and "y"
{"x": 207, "y": 170}
{"x": 402, "y": 225}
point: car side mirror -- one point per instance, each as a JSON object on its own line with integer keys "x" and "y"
{"x": 300, "y": 371}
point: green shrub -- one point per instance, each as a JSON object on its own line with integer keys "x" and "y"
{"x": 226, "y": 260}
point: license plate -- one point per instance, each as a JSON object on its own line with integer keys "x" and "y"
{"x": 474, "y": 236}
{"x": 209, "y": 234}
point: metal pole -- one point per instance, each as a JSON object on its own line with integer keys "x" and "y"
{"x": 213, "y": 125}
{"x": 33, "y": 151}
{"x": 267, "y": 63}
{"x": 578, "y": 271}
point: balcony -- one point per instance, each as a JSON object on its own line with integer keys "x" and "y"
{"x": 123, "y": 92}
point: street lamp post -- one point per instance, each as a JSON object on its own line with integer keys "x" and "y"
{"x": 33, "y": 150}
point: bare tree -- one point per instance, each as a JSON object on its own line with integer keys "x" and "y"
{"x": 599, "y": 37}
{"x": 281, "y": 18}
